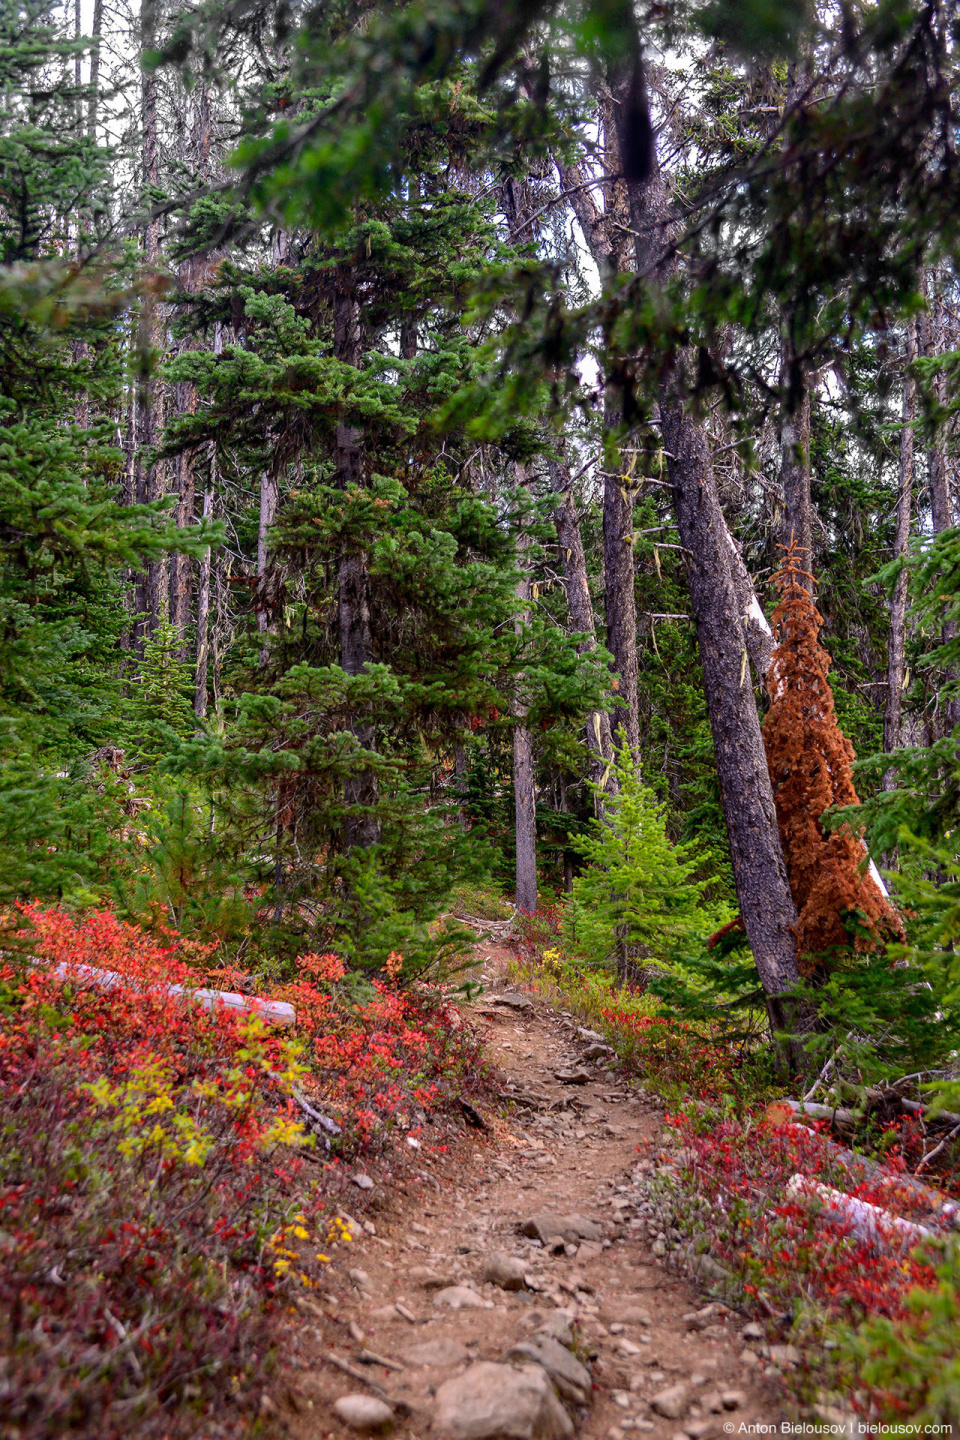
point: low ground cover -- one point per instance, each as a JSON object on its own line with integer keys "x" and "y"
{"x": 165, "y": 1194}
{"x": 886, "y": 1306}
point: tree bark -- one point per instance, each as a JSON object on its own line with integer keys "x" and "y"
{"x": 795, "y": 458}
{"x": 361, "y": 827}
{"x": 580, "y": 605}
{"x": 760, "y": 874}
{"x": 606, "y": 232}
{"x": 151, "y": 480}
{"x": 892, "y": 717}
{"x": 524, "y": 786}
{"x": 94, "y": 100}
{"x": 203, "y": 601}
{"x": 759, "y": 871}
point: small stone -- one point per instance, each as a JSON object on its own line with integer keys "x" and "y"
{"x": 363, "y": 1412}
{"x": 752, "y": 1331}
{"x": 644, "y": 1425}
{"x": 627, "y": 1347}
{"x": 356, "y": 1333}
{"x": 577, "y": 1075}
{"x": 701, "y": 1429}
{"x": 437, "y": 1353}
{"x": 362, "y": 1182}
{"x": 407, "y": 1314}
{"x": 558, "y": 1326}
{"x": 784, "y": 1356}
{"x": 621, "y": 1398}
{"x": 547, "y": 1226}
{"x": 504, "y": 1270}
{"x": 500, "y": 1402}
{"x": 672, "y": 1402}
{"x": 356, "y": 1230}
{"x": 628, "y": 1315}
{"x": 732, "y": 1399}
{"x": 749, "y": 1357}
{"x": 360, "y": 1278}
{"x": 429, "y": 1279}
{"x": 383, "y": 1312}
{"x": 512, "y": 1000}
{"x": 597, "y": 1051}
{"x": 459, "y": 1297}
{"x": 584, "y": 1034}
{"x": 571, "y": 1378}
{"x": 617, "y": 1328}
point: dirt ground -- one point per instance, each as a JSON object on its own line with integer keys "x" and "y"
{"x": 567, "y": 1148}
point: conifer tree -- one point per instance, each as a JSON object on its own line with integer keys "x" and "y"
{"x": 810, "y": 767}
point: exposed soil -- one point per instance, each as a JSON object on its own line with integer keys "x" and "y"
{"x": 569, "y": 1148}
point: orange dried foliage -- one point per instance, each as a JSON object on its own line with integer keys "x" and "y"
{"x": 810, "y": 768}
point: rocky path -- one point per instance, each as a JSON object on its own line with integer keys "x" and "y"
{"x": 518, "y": 1292}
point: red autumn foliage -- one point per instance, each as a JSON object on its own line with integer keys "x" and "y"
{"x": 160, "y": 1205}
{"x": 810, "y": 767}
{"x": 730, "y": 1190}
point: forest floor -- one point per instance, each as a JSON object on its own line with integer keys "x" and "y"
{"x": 570, "y": 1148}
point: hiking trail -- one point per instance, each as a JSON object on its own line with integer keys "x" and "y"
{"x": 424, "y": 1293}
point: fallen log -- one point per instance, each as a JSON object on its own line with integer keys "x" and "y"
{"x": 877, "y": 1227}
{"x": 273, "y": 1012}
{"x": 939, "y": 1210}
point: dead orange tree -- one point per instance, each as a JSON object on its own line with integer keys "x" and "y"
{"x": 839, "y": 903}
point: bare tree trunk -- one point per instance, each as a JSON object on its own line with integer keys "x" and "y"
{"x": 938, "y": 475}
{"x": 577, "y": 585}
{"x": 524, "y": 784}
{"x": 203, "y": 600}
{"x": 892, "y": 738}
{"x": 759, "y": 871}
{"x": 760, "y": 874}
{"x": 361, "y": 793}
{"x": 151, "y": 481}
{"x": 795, "y": 457}
{"x": 269, "y": 504}
{"x": 94, "y": 100}
{"x": 620, "y": 601}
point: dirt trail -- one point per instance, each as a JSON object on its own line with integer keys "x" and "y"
{"x": 567, "y": 1148}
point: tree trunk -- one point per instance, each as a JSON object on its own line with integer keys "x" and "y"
{"x": 151, "y": 481}
{"x": 620, "y": 602}
{"x": 760, "y": 874}
{"x": 269, "y": 504}
{"x": 524, "y": 788}
{"x": 93, "y": 104}
{"x": 580, "y": 604}
{"x": 606, "y": 232}
{"x": 938, "y": 475}
{"x": 203, "y": 601}
{"x": 361, "y": 794}
{"x": 759, "y": 871}
{"x": 795, "y": 458}
{"x": 898, "y": 602}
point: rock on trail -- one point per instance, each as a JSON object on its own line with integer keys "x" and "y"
{"x": 515, "y": 1287}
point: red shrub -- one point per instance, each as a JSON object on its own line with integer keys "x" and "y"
{"x": 158, "y": 1194}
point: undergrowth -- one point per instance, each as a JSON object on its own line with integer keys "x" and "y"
{"x": 164, "y": 1197}
{"x": 888, "y": 1308}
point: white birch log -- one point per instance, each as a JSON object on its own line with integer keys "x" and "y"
{"x": 273, "y": 1012}
{"x": 867, "y": 1222}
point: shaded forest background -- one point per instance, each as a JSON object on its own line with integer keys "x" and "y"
{"x": 404, "y": 408}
